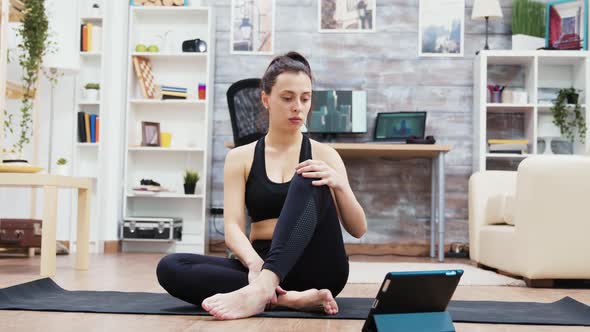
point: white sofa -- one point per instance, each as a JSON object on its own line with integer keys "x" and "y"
{"x": 534, "y": 222}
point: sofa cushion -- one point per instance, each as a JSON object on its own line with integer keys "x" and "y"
{"x": 499, "y": 249}
{"x": 508, "y": 213}
{"x": 500, "y": 210}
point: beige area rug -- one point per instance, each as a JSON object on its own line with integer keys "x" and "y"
{"x": 374, "y": 272}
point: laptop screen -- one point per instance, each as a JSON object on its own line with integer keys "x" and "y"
{"x": 399, "y": 125}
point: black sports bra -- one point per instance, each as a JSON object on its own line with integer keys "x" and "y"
{"x": 264, "y": 198}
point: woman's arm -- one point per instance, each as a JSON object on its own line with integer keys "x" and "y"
{"x": 332, "y": 172}
{"x": 234, "y": 217}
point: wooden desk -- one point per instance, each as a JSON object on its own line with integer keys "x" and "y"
{"x": 436, "y": 153}
{"x": 50, "y": 183}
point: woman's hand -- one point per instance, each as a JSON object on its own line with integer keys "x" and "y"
{"x": 320, "y": 170}
{"x": 253, "y": 272}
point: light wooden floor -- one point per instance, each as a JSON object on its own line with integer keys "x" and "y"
{"x": 136, "y": 272}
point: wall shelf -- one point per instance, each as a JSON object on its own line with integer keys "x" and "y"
{"x": 165, "y": 195}
{"x": 91, "y": 54}
{"x": 170, "y": 56}
{"x": 506, "y": 155}
{"x": 538, "y": 73}
{"x": 191, "y": 131}
{"x": 183, "y": 102}
{"x": 160, "y": 149}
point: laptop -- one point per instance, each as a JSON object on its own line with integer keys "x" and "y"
{"x": 396, "y": 127}
{"x": 413, "y": 292}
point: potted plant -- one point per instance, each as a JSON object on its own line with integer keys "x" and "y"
{"x": 190, "y": 181}
{"x": 91, "y": 91}
{"x": 62, "y": 167}
{"x": 528, "y": 25}
{"x": 568, "y": 115}
{"x": 34, "y": 45}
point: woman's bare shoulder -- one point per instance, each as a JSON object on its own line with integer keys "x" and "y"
{"x": 242, "y": 151}
{"x": 241, "y": 157}
{"x": 323, "y": 151}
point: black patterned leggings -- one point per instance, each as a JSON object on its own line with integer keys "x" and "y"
{"x": 307, "y": 251}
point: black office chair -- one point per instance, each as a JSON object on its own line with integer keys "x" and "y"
{"x": 249, "y": 118}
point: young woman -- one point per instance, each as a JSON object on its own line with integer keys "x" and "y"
{"x": 296, "y": 191}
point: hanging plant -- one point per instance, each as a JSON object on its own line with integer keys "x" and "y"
{"x": 569, "y": 118}
{"x": 33, "y": 46}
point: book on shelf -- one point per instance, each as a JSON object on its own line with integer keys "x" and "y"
{"x": 92, "y": 128}
{"x": 165, "y": 96}
{"x": 509, "y": 152}
{"x": 507, "y": 147}
{"x": 176, "y": 94}
{"x": 512, "y": 146}
{"x": 90, "y": 37}
{"x": 81, "y": 128}
{"x": 173, "y": 88}
{"x": 508, "y": 141}
{"x": 88, "y": 127}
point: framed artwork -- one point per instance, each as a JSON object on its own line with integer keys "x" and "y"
{"x": 567, "y": 24}
{"x": 347, "y": 15}
{"x": 441, "y": 28}
{"x": 150, "y": 133}
{"x": 252, "y": 27}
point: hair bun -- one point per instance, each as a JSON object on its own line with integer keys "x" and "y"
{"x": 298, "y": 57}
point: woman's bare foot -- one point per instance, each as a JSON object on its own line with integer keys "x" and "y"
{"x": 245, "y": 302}
{"x": 310, "y": 300}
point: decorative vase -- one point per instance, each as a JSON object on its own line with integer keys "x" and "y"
{"x": 90, "y": 94}
{"x": 496, "y": 97}
{"x": 573, "y": 98}
{"x": 61, "y": 170}
{"x": 524, "y": 42}
{"x": 189, "y": 189}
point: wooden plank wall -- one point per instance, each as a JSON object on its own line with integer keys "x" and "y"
{"x": 395, "y": 195}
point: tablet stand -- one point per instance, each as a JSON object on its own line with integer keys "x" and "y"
{"x": 420, "y": 321}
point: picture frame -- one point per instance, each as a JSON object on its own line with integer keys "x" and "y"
{"x": 566, "y": 25}
{"x": 252, "y": 27}
{"x": 441, "y": 28}
{"x": 347, "y": 16}
{"x": 150, "y": 133}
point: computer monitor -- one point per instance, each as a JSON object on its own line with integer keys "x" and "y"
{"x": 392, "y": 126}
{"x": 337, "y": 111}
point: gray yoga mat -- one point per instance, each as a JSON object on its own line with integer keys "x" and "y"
{"x": 46, "y": 295}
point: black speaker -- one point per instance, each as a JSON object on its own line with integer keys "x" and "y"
{"x": 419, "y": 140}
{"x": 194, "y": 45}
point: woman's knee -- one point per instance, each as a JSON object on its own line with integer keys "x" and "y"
{"x": 167, "y": 269}
{"x": 302, "y": 186}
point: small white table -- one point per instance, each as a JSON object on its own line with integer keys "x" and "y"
{"x": 50, "y": 183}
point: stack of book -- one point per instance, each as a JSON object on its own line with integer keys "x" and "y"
{"x": 172, "y": 92}
{"x": 90, "y": 37}
{"x": 517, "y": 146}
{"x": 88, "y": 127}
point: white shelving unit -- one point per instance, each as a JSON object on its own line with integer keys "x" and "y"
{"x": 87, "y": 158}
{"x": 536, "y": 73}
{"x": 189, "y": 122}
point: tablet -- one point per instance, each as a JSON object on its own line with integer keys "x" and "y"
{"x": 412, "y": 292}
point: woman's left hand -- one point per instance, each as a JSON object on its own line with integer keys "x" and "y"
{"x": 320, "y": 170}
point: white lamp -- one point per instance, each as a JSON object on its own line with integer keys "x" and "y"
{"x": 486, "y": 9}
{"x": 62, "y": 16}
